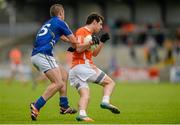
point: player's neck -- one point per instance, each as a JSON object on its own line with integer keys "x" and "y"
{"x": 60, "y": 17}
{"x": 90, "y": 28}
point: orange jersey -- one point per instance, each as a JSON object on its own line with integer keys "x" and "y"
{"x": 80, "y": 58}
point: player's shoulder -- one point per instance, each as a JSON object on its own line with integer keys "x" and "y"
{"x": 81, "y": 31}
{"x": 57, "y": 20}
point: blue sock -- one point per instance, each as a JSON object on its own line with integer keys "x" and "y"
{"x": 64, "y": 102}
{"x": 40, "y": 103}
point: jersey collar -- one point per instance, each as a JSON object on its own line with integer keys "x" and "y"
{"x": 87, "y": 29}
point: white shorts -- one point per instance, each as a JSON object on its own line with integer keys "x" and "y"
{"x": 81, "y": 74}
{"x": 43, "y": 62}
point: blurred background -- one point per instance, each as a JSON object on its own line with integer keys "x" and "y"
{"x": 144, "y": 45}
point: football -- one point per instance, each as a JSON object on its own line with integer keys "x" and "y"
{"x": 88, "y": 38}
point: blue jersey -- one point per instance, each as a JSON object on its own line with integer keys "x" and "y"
{"x": 48, "y": 36}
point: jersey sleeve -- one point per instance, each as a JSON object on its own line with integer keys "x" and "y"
{"x": 64, "y": 28}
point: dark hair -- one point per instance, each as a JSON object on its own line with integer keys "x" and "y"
{"x": 55, "y": 9}
{"x": 94, "y": 16}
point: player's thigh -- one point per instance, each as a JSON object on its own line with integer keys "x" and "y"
{"x": 76, "y": 81}
{"x": 54, "y": 75}
{"x": 80, "y": 73}
{"x": 98, "y": 77}
{"x": 43, "y": 62}
{"x": 64, "y": 73}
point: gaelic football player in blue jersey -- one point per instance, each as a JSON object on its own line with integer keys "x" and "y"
{"x": 42, "y": 58}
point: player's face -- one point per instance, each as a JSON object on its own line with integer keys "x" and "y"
{"x": 98, "y": 26}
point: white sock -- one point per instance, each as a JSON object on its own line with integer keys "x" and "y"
{"x": 105, "y": 99}
{"x": 82, "y": 113}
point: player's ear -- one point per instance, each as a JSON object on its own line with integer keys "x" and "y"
{"x": 61, "y": 14}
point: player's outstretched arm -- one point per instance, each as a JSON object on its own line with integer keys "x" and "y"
{"x": 72, "y": 39}
{"x": 64, "y": 38}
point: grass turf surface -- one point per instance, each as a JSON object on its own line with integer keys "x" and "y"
{"x": 139, "y": 103}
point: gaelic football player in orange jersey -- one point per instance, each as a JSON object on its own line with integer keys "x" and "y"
{"x": 84, "y": 70}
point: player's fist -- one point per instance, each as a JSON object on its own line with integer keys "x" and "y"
{"x": 71, "y": 49}
{"x": 95, "y": 39}
{"x": 104, "y": 37}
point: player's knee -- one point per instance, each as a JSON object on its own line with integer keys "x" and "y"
{"x": 59, "y": 86}
{"x": 109, "y": 81}
{"x": 63, "y": 88}
{"x": 112, "y": 82}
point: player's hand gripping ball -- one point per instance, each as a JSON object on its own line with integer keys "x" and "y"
{"x": 94, "y": 40}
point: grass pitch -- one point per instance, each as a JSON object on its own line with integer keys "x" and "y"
{"x": 139, "y": 103}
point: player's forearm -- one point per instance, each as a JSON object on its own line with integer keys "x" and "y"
{"x": 72, "y": 39}
{"x": 65, "y": 39}
{"x": 98, "y": 49}
{"x": 82, "y": 47}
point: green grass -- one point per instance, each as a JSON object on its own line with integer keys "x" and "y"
{"x": 139, "y": 103}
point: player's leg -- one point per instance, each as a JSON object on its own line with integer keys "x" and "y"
{"x": 54, "y": 75}
{"x": 83, "y": 91}
{"x": 108, "y": 87}
{"x": 47, "y": 65}
{"x": 20, "y": 69}
{"x": 12, "y": 74}
{"x": 78, "y": 76}
{"x": 64, "y": 73}
{"x": 63, "y": 100}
